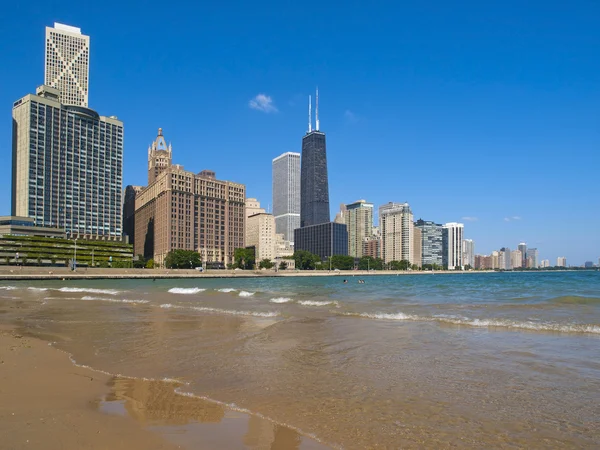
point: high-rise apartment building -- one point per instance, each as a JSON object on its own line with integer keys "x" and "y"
{"x": 431, "y": 242}
{"x": 286, "y": 194}
{"x": 396, "y": 227}
{"x": 468, "y": 249}
{"x": 504, "y": 259}
{"x": 67, "y": 166}
{"x": 359, "y": 223}
{"x": 522, "y": 247}
{"x": 190, "y": 211}
{"x": 561, "y": 261}
{"x": 452, "y": 237}
{"x": 532, "y": 258}
{"x": 516, "y": 259}
{"x": 68, "y": 64}
{"x": 67, "y": 163}
{"x": 314, "y": 184}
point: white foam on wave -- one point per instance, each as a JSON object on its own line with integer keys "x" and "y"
{"x": 8, "y": 288}
{"x": 227, "y": 290}
{"x": 221, "y": 311}
{"x": 89, "y": 290}
{"x": 37, "y": 289}
{"x": 113, "y": 300}
{"x": 280, "y": 300}
{"x": 186, "y": 291}
{"x": 246, "y": 294}
{"x": 488, "y": 323}
{"x": 317, "y": 303}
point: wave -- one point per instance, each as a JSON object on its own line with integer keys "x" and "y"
{"x": 318, "y": 303}
{"x": 89, "y": 290}
{"x": 221, "y": 311}
{"x": 113, "y": 300}
{"x": 8, "y": 288}
{"x": 186, "y": 291}
{"x": 246, "y": 294}
{"x": 227, "y": 290}
{"x": 37, "y": 289}
{"x": 280, "y": 300}
{"x": 487, "y": 323}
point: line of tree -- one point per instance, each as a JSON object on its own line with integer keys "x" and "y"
{"x": 182, "y": 259}
{"x": 244, "y": 258}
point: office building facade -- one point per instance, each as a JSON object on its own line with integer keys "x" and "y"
{"x": 431, "y": 242}
{"x": 468, "y": 249}
{"x": 324, "y": 239}
{"x": 314, "y": 184}
{"x": 358, "y": 217}
{"x": 452, "y": 237}
{"x": 68, "y": 64}
{"x": 67, "y": 166}
{"x": 190, "y": 211}
{"x": 286, "y": 194}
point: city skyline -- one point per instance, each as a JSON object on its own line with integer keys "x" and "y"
{"x": 362, "y": 127}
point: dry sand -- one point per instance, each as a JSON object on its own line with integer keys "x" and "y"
{"x": 48, "y": 403}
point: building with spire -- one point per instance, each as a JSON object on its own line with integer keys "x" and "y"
{"x": 184, "y": 210}
{"x": 316, "y": 233}
{"x": 67, "y": 160}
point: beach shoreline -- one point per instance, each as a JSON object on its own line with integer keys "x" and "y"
{"x": 48, "y": 402}
{"x": 60, "y": 273}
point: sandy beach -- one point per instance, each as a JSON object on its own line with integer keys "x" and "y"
{"x": 47, "y": 402}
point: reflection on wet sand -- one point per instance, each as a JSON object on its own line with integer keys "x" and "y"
{"x": 184, "y": 419}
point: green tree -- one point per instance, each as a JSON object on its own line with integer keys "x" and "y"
{"x": 244, "y": 258}
{"x": 368, "y": 262}
{"x": 400, "y": 265}
{"x": 342, "y": 262}
{"x": 150, "y": 264}
{"x": 140, "y": 263}
{"x": 182, "y": 259}
{"x": 468, "y": 267}
{"x": 265, "y": 264}
{"x": 305, "y": 260}
{"x": 283, "y": 265}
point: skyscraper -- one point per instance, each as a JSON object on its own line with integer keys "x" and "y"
{"x": 396, "y": 226}
{"x": 516, "y": 259}
{"x": 286, "y": 194}
{"x": 561, "y": 261}
{"x": 159, "y": 157}
{"x": 67, "y": 159}
{"x": 359, "y": 223}
{"x": 452, "y": 236}
{"x": 523, "y": 249}
{"x": 532, "y": 258}
{"x": 431, "y": 242}
{"x": 468, "y": 249}
{"x": 314, "y": 184}
{"x": 68, "y": 63}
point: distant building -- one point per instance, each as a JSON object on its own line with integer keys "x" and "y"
{"x": 372, "y": 247}
{"x": 160, "y": 157}
{"x": 452, "y": 237}
{"x": 417, "y": 250}
{"x": 129, "y": 195}
{"x": 523, "y": 249}
{"x": 183, "y": 210}
{"x": 545, "y": 263}
{"x": 468, "y": 249}
{"x": 286, "y": 194}
{"x": 324, "y": 239}
{"x": 588, "y": 265}
{"x": 359, "y": 223}
{"x": 260, "y": 233}
{"x": 431, "y": 242}
{"x": 516, "y": 259}
{"x": 495, "y": 260}
{"x": 483, "y": 262}
{"x": 396, "y": 227}
{"x": 504, "y": 259}
{"x": 561, "y": 261}
{"x": 252, "y": 207}
{"x": 532, "y": 258}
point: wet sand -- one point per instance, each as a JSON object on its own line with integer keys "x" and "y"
{"x": 48, "y": 403}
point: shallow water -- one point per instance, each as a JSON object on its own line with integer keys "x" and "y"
{"x": 474, "y": 360}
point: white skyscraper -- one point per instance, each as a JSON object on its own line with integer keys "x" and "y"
{"x": 468, "y": 249}
{"x": 286, "y": 194}
{"x": 452, "y": 237}
{"x": 561, "y": 261}
{"x": 68, "y": 63}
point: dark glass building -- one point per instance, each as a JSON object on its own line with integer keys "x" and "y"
{"x": 431, "y": 242}
{"x": 314, "y": 185}
{"x": 324, "y": 239}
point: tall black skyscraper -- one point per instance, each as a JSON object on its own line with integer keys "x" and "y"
{"x": 314, "y": 185}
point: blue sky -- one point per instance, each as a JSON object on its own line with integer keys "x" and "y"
{"x": 481, "y": 112}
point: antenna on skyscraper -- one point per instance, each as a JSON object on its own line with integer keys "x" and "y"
{"x": 317, "y": 111}
{"x": 309, "y": 114}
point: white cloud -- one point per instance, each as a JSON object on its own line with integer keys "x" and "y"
{"x": 350, "y": 116}
{"x": 262, "y": 103}
{"x": 470, "y": 219}
{"x": 511, "y": 219}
